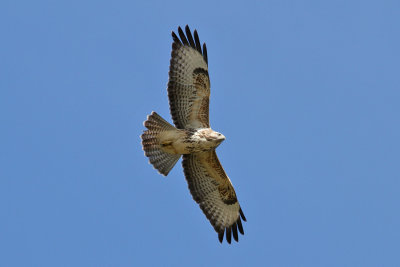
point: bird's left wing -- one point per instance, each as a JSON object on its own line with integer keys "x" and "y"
{"x": 213, "y": 191}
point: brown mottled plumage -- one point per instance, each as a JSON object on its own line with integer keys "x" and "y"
{"x": 189, "y": 97}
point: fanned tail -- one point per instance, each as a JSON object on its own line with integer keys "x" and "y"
{"x": 160, "y": 159}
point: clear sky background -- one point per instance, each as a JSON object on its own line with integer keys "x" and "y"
{"x": 306, "y": 92}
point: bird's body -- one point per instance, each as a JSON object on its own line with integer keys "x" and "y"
{"x": 189, "y": 141}
{"x": 192, "y": 137}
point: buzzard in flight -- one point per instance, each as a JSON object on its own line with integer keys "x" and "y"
{"x": 192, "y": 138}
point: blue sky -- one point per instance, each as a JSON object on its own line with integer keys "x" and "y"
{"x": 306, "y": 92}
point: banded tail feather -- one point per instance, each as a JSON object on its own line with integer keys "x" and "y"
{"x": 152, "y": 146}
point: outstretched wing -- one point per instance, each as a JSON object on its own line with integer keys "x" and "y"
{"x": 213, "y": 191}
{"x": 189, "y": 83}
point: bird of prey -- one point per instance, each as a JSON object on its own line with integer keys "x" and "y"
{"x": 192, "y": 138}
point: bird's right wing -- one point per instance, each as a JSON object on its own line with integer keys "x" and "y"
{"x": 189, "y": 83}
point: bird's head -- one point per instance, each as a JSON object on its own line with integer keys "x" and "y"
{"x": 219, "y": 137}
{"x": 215, "y": 137}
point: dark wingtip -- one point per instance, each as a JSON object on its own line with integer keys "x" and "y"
{"x": 189, "y": 36}
{"x": 221, "y": 236}
{"x": 187, "y": 39}
{"x": 240, "y": 226}
{"x": 228, "y": 235}
{"x": 175, "y": 38}
{"x": 183, "y": 37}
{"x": 242, "y": 215}
{"x": 197, "y": 41}
{"x": 205, "y": 53}
{"x": 235, "y": 232}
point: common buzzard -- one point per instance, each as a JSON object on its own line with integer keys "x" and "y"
{"x": 192, "y": 137}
